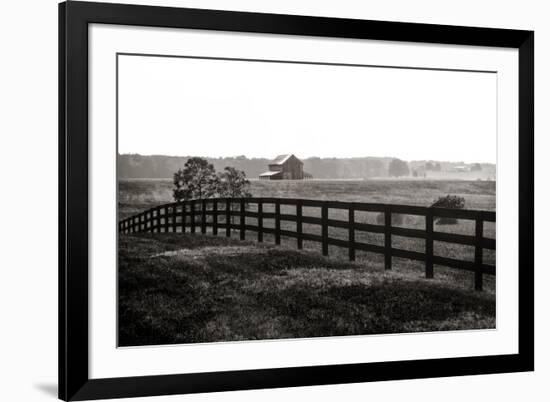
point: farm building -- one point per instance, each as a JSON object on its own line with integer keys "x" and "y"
{"x": 461, "y": 168}
{"x": 285, "y": 167}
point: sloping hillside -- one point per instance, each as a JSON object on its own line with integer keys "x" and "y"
{"x": 183, "y": 288}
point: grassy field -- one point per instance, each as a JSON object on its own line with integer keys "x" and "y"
{"x": 177, "y": 288}
{"x": 135, "y": 195}
{"x": 138, "y": 195}
{"x": 182, "y": 288}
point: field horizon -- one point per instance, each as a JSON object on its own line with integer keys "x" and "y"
{"x": 136, "y": 195}
{"x": 164, "y": 166}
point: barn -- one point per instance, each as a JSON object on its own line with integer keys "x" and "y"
{"x": 285, "y": 167}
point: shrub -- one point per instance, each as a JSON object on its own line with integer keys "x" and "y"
{"x": 449, "y": 201}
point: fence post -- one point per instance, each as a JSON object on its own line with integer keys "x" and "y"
{"x": 351, "y": 232}
{"x": 242, "y": 219}
{"x": 157, "y": 220}
{"x": 299, "y": 237}
{"x": 277, "y": 222}
{"x": 387, "y": 237}
{"x": 478, "y": 260}
{"x": 203, "y": 216}
{"x": 324, "y": 228}
{"x": 183, "y": 215}
{"x": 174, "y": 218}
{"x": 215, "y": 217}
{"x": 429, "y": 243}
{"x": 166, "y": 225}
{"x": 192, "y": 213}
{"x": 260, "y": 221}
{"x": 228, "y": 217}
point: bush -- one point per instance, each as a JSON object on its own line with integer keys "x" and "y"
{"x": 449, "y": 201}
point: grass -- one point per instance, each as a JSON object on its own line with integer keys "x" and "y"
{"x": 182, "y": 288}
{"x": 137, "y": 195}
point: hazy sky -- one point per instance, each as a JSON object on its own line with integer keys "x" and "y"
{"x": 176, "y": 106}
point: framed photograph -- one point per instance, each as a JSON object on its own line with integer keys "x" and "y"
{"x": 257, "y": 200}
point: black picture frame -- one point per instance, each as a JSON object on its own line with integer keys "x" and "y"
{"x": 74, "y": 381}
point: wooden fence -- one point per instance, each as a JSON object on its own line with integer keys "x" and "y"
{"x": 192, "y": 216}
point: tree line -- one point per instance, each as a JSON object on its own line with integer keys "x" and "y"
{"x": 162, "y": 166}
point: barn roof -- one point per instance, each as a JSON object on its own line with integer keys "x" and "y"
{"x": 280, "y": 159}
{"x": 271, "y": 173}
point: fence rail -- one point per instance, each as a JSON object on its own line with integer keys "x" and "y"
{"x": 183, "y": 217}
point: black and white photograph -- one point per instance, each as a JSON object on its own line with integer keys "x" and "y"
{"x": 277, "y": 199}
{"x": 242, "y": 201}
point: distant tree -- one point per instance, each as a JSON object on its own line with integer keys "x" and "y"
{"x": 476, "y": 167}
{"x": 375, "y": 167}
{"x": 433, "y": 166}
{"x": 196, "y": 180}
{"x": 233, "y": 183}
{"x": 398, "y": 168}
